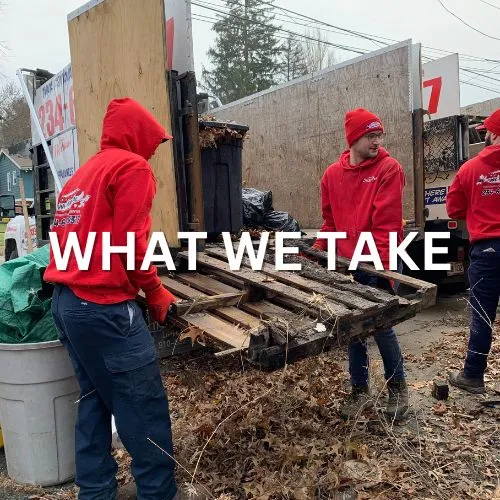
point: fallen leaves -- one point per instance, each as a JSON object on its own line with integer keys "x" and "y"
{"x": 193, "y": 333}
{"x": 290, "y": 443}
{"x": 440, "y": 408}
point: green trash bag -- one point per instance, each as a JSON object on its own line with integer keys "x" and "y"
{"x": 25, "y": 315}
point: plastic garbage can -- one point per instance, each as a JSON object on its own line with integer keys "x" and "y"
{"x": 222, "y": 176}
{"x": 38, "y": 394}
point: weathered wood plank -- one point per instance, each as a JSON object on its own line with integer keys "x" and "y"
{"x": 262, "y": 281}
{"x": 231, "y": 314}
{"x": 237, "y": 316}
{"x": 268, "y": 310}
{"x": 180, "y": 289}
{"x": 261, "y": 309}
{"x": 220, "y": 329}
{"x": 426, "y": 292}
{"x": 206, "y": 284}
{"x": 347, "y": 298}
{"x": 208, "y": 303}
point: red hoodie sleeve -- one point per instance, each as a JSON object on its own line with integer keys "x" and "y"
{"x": 456, "y": 201}
{"x": 388, "y": 210}
{"x": 326, "y": 211}
{"x": 135, "y": 189}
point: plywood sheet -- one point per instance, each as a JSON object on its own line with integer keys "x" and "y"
{"x": 484, "y": 108}
{"x": 118, "y": 50}
{"x": 297, "y": 130}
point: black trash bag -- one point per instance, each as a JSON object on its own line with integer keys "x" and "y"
{"x": 256, "y": 204}
{"x": 280, "y": 221}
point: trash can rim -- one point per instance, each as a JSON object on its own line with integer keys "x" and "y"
{"x": 234, "y": 126}
{"x": 30, "y": 346}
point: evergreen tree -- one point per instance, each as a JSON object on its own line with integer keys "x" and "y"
{"x": 246, "y": 55}
{"x": 294, "y": 59}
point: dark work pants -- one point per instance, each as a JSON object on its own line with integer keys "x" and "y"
{"x": 387, "y": 343}
{"x": 484, "y": 280}
{"x": 115, "y": 362}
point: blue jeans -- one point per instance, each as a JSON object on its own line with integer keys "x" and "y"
{"x": 484, "y": 280}
{"x": 387, "y": 343}
{"x": 115, "y": 362}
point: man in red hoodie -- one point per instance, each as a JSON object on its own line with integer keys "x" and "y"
{"x": 362, "y": 192}
{"x": 474, "y": 196}
{"x": 97, "y": 318}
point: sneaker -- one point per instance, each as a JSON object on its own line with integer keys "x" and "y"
{"x": 472, "y": 385}
{"x": 397, "y": 405}
{"x": 356, "y": 402}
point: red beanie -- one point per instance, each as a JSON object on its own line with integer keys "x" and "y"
{"x": 492, "y": 123}
{"x": 359, "y": 122}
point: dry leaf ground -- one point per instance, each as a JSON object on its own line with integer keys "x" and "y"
{"x": 284, "y": 440}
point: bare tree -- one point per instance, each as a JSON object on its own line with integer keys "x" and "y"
{"x": 15, "y": 125}
{"x": 318, "y": 55}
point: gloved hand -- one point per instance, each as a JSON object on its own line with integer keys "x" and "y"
{"x": 159, "y": 300}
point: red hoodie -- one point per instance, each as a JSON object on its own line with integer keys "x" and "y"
{"x": 475, "y": 195}
{"x": 112, "y": 192}
{"x": 363, "y": 198}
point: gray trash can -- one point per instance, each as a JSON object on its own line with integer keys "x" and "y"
{"x": 38, "y": 394}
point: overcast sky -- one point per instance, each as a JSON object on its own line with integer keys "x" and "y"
{"x": 35, "y": 32}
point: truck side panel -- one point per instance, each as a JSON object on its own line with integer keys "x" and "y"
{"x": 117, "y": 50}
{"x": 297, "y": 130}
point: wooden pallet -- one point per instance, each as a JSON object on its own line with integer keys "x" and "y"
{"x": 276, "y": 315}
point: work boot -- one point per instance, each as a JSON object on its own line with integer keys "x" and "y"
{"x": 397, "y": 405}
{"x": 356, "y": 402}
{"x": 472, "y": 385}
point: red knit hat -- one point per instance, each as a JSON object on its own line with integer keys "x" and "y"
{"x": 492, "y": 123}
{"x": 359, "y": 122}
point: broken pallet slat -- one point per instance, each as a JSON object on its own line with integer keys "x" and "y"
{"x": 290, "y": 278}
{"x": 262, "y": 309}
{"x": 213, "y": 326}
{"x": 208, "y": 303}
{"x": 262, "y": 281}
{"x": 220, "y": 329}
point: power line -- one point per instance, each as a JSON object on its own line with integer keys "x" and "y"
{"x": 342, "y": 47}
{"x": 490, "y": 4}
{"x": 466, "y": 23}
{"x": 371, "y": 37}
{"x": 496, "y": 91}
{"x": 480, "y": 74}
{"x": 351, "y": 32}
{"x": 287, "y": 18}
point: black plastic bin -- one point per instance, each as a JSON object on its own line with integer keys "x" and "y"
{"x": 222, "y": 177}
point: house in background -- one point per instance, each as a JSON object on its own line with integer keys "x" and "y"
{"x": 12, "y": 168}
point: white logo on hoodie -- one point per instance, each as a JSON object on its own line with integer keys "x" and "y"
{"x": 370, "y": 179}
{"x": 493, "y": 178}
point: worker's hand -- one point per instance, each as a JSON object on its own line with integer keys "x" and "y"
{"x": 159, "y": 300}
